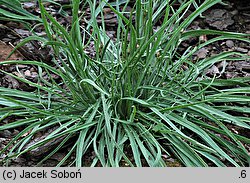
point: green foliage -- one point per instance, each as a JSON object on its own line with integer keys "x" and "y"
{"x": 13, "y": 11}
{"x": 133, "y": 95}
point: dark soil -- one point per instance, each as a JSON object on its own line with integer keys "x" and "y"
{"x": 234, "y": 17}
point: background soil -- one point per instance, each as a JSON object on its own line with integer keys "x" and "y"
{"x": 233, "y": 17}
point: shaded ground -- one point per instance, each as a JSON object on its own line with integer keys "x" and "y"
{"x": 233, "y": 17}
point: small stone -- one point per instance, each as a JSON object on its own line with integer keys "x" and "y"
{"x": 213, "y": 71}
{"x": 27, "y": 73}
{"x": 23, "y": 32}
{"x": 202, "y": 53}
{"x": 248, "y": 53}
{"x": 243, "y": 50}
{"x": 12, "y": 82}
{"x": 29, "y": 5}
{"x": 5, "y": 133}
{"x": 229, "y": 43}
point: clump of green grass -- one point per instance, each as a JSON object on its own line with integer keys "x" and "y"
{"x": 133, "y": 95}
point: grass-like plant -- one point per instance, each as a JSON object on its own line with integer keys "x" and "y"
{"x": 133, "y": 95}
{"x": 13, "y": 11}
